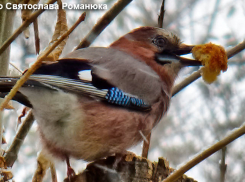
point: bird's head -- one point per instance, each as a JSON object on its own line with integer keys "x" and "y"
{"x": 159, "y": 48}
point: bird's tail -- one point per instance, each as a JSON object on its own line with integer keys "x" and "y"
{"x": 6, "y": 84}
{"x": 113, "y": 95}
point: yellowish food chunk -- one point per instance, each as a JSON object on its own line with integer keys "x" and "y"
{"x": 214, "y": 59}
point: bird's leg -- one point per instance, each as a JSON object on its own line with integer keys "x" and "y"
{"x": 70, "y": 172}
{"x": 24, "y": 111}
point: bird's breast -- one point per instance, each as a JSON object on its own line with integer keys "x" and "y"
{"x": 108, "y": 130}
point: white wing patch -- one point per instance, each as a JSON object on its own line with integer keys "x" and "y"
{"x": 85, "y": 75}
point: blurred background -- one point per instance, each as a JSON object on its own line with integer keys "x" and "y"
{"x": 199, "y": 115}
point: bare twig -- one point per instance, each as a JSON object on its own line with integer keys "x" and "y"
{"x": 235, "y": 50}
{"x": 206, "y": 153}
{"x": 146, "y": 146}
{"x": 161, "y": 15}
{"x": 23, "y": 27}
{"x": 12, "y": 153}
{"x": 16, "y": 67}
{"x": 22, "y": 80}
{"x": 36, "y": 34}
{"x": 104, "y": 21}
{"x": 223, "y": 165}
{"x": 194, "y": 76}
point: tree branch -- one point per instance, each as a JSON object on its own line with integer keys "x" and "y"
{"x": 12, "y": 153}
{"x": 24, "y": 25}
{"x": 161, "y": 15}
{"x": 103, "y": 23}
{"x": 36, "y": 34}
{"x": 206, "y": 153}
{"x": 223, "y": 165}
{"x": 130, "y": 168}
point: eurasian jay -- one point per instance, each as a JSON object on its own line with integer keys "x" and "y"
{"x": 98, "y": 101}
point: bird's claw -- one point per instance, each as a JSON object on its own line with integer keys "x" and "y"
{"x": 70, "y": 173}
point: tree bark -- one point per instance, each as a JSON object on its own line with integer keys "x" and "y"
{"x": 131, "y": 168}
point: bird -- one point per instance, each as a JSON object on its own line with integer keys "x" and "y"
{"x": 99, "y": 101}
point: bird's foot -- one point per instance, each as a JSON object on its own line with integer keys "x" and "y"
{"x": 70, "y": 173}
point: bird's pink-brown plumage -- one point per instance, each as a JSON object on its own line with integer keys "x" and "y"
{"x": 74, "y": 124}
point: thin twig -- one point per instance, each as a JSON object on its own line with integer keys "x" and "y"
{"x": 235, "y": 50}
{"x": 194, "y": 76}
{"x": 23, "y": 27}
{"x": 104, "y": 21}
{"x": 12, "y": 64}
{"x": 223, "y": 165}
{"x": 22, "y": 80}
{"x": 12, "y": 153}
{"x": 146, "y": 146}
{"x": 206, "y": 153}
{"x": 161, "y": 15}
{"x": 36, "y": 35}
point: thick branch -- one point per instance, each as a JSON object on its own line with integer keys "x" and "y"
{"x": 12, "y": 153}
{"x": 130, "y": 168}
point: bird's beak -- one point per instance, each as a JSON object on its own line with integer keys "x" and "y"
{"x": 175, "y": 56}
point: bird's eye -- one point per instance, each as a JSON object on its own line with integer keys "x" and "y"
{"x": 159, "y": 41}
